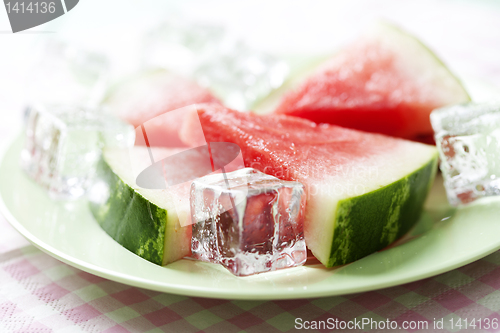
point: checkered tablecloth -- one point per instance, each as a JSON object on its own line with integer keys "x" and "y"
{"x": 40, "y": 294}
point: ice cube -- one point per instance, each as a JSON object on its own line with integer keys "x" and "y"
{"x": 63, "y": 144}
{"x": 217, "y": 59}
{"x": 240, "y": 75}
{"x": 468, "y": 140}
{"x": 248, "y": 221}
{"x": 67, "y": 75}
{"x": 180, "y": 46}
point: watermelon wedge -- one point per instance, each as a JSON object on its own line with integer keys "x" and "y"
{"x": 364, "y": 190}
{"x": 150, "y": 94}
{"x": 385, "y": 82}
{"x": 144, "y": 221}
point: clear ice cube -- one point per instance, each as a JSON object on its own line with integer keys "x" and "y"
{"x": 180, "y": 46}
{"x": 218, "y": 60}
{"x": 248, "y": 221}
{"x": 241, "y": 75}
{"x": 468, "y": 140}
{"x": 67, "y": 75}
{"x": 63, "y": 144}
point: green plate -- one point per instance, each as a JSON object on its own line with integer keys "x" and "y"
{"x": 444, "y": 239}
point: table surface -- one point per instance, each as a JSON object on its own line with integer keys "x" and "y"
{"x": 40, "y": 294}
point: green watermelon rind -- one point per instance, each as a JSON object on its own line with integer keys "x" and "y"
{"x": 136, "y": 223}
{"x": 439, "y": 62}
{"x": 270, "y": 103}
{"x": 130, "y": 219}
{"x": 392, "y": 211}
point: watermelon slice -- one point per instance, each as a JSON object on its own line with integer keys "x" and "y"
{"x": 386, "y": 82}
{"x": 144, "y": 221}
{"x": 364, "y": 190}
{"x": 151, "y": 94}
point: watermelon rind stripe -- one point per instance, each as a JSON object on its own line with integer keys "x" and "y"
{"x": 391, "y": 212}
{"x": 130, "y": 219}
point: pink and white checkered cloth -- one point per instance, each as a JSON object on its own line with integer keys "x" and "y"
{"x": 40, "y": 294}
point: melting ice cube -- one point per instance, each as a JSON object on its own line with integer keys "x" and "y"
{"x": 235, "y": 72}
{"x": 180, "y": 46}
{"x": 67, "y": 75}
{"x": 63, "y": 145}
{"x": 241, "y": 75}
{"x": 248, "y": 221}
{"x": 468, "y": 140}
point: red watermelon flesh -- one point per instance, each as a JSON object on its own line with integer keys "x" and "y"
{"x": 362, "y": 180}
{"x": 386, "y": 82}
{"x": 150, "y": 95}
{"x": 282, "y": 146}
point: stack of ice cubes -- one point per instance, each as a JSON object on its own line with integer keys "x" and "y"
{"x": 237, "y": 73}
{"x": 468, "y": 140}
{"x": 63, "y": 145}
{"x": 248, "y": 221}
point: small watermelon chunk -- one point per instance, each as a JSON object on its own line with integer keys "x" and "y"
{"x": 364, "y": 190}
{"x": 386, "y": 82}
{"x": 143, "y": 221}
{"x": 151, "y": 94}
